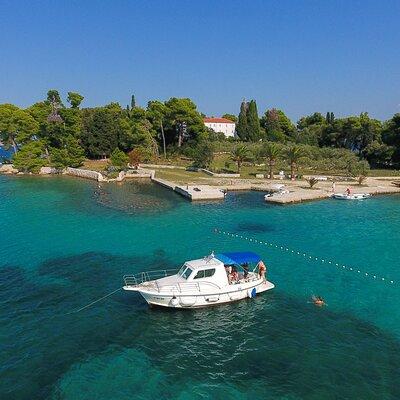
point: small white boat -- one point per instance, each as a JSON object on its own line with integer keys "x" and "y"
{"x": 203, "y": 282}
{"x": 280, "y": 192}
{"x": 355, "y": 196}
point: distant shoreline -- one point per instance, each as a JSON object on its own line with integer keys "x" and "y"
{"x": 298, "y": 190}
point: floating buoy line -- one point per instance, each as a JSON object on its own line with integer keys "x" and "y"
{"x": 306, "y": 256}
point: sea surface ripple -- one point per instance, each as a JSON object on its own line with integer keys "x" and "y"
{"x": 66, "y": 242}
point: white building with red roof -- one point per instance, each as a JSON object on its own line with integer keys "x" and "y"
{"x": 223, "y": 125}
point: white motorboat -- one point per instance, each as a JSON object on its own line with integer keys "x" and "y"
{"x": 215, "y": 279}
{"x": 354, "y": 196}
{"x": 277, "y": 193}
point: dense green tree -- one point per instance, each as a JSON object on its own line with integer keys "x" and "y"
{"x": 391, "y": 136}
{"x": 378, "y": 154}
{"x": 309, "y": 120}
{"x": 183, "y": 121}
{"x": 310, "y": 129}
{"x": 133, "y": 102}
{"x": 72, "y": 121}
{"x": 16, "y": 126}
{"x": 119, "y": 158}
{"x": 156, "y": 112}
{"x": 231, "y": 117}
{"x": 354, "y": 133}
{"x": 253, "y": 122}
{"x": 137, "y": 130}
{"x": 40, "y": 111}
{"x": 70, "y": 155}
{"x": 54, "y": 96}
{"x": 31, "y": 157}
{"x": 203, "y": 155}
{"x": 241, "y": 127}
{"x": 75, "y": 99}
{"x": 101, "y": 130}
{"x": 277, "y": 126}
{"x": 330, "y": 117}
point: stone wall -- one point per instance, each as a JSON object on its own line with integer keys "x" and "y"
{"x": 222, "y": 175}
{"x": 83, "y": 173}
{"x": 161, "y": 166}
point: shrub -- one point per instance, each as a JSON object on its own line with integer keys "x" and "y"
{"x": 31, "y": 157}
{"x": 136, "y": 156}
{"x": 203, "y": 155}
{"x": 119, "y": 158}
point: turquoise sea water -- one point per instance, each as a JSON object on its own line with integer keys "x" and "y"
{"x": 65, "y": 242}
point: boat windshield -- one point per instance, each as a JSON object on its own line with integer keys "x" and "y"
{"x": 185, "y": 274}
{"x": 181, "y": 271}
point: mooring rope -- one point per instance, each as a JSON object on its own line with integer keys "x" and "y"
{"x": 306, "y": 256}
{"x": 94, "y": 302}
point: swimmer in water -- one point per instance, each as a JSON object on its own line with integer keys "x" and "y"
{"x": 318, "y": 301}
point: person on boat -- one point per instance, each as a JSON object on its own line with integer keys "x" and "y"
{"x": 318, "y": 301}
{"x": 262, "y": 270}
{"x": 245, "y": 267}
{"x": 234, "y": 275}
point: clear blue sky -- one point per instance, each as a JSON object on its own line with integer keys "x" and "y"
{"x": 300, "y": 56}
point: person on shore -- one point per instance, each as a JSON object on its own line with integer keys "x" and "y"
{"x": 318, "y": 301}
{"x": 333, "y": 187}
{"x": 348, "y": 191}
{"x": 262, "y": 270}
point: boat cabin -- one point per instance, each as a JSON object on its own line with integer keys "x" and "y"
{"x": 222, "y": 269}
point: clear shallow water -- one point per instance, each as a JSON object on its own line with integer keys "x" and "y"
{"x": 65, "y": 242}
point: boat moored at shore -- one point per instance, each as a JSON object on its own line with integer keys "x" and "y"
{"x": 355, "y": 196}
{"x": 215, "y": 279}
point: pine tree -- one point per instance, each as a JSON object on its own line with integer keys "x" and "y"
{"x": 241, "y": 127}
{"x": 328, "y": 117}
{"x": 253, "y": 122}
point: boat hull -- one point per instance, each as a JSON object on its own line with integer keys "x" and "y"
{"x": 199, "y": 300}
{"x": 358, "y": 196}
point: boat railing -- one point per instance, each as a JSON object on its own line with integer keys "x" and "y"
{"x": 146, "y": 276}
{"x": 149, "y": 278}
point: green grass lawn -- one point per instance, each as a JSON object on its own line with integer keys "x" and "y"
{"x": 223, "y": 163}
{"x": 181, "y": 176}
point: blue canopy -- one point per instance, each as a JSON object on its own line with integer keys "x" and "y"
{"x": 238, "y": 258}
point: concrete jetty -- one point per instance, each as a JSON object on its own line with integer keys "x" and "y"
{"x": 200, "y": 192}
{"x": 164, "y": 183}
{"x": 299, "y": 194}
{"x": 193, "y": 192}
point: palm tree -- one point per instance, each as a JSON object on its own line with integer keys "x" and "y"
{"x": 271, "y": 152}
{"x": 294, "y": 153}
{"x": 312, "y": 181}
{"x": 240, "y": 154}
